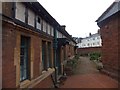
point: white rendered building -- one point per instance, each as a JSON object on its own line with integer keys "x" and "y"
{"x": 94, "y": 40}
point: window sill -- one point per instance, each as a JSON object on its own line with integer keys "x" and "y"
{"x": 44, "y": 75}
{"x": 24, "y": 83}
{"x": 32, "y": 83}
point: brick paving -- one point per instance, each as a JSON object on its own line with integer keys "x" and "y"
{"x": 87, "y": 76}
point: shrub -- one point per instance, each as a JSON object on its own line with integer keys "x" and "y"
{"x": 95, "y": 56}
{"x": 71, "y": 65}
{"x": 77, "y": 56}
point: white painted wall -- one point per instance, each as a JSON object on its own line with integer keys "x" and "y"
{"x": 59, "y": 34}
{"x": 38, "y": 26}
{"x": 44, "y": 26}
{"x": 52, "y": 31}
{"x": 90, "y": 42}
{"x": 48, "y": 29}
{"x": 20, "y": 15}
{"x": 31, "y": 17}
{"x": 20, "y": 12}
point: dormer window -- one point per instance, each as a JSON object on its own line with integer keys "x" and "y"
{"x": 38, "y": 22}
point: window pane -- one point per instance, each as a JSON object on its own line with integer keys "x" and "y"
{"x": 22, "y": 51}
{"x": 24, "y": 58}
{"x": 44, "y": 55}
{"x": 49, "y": 54}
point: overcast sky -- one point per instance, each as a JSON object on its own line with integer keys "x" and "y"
{"x": 79, "y": 16}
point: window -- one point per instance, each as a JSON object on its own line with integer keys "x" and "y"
{"x": 49, "y": 54}
{"x": 88, "y": 44}
{"x": 98, "y": 37}
{"x": 93, "y": 38}
{"x": 98, "y": 43}
{"x": 20, "y": 11}
{"x": 44, "y": 55}
{"x": 38, "y": 23}
{"x": 24, "y": 59}
{"x": 31, "y": 18}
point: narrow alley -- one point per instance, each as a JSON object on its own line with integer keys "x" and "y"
{"x": 87, "y": 76}
{"x": 59, "y": 44}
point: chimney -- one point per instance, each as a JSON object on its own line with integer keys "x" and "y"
{"x": 63, "y": 27}
{"x": 90, "y": 34}
{"x": 98, "y": 31}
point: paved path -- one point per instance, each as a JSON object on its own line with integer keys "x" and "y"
{"x": 85, "y": 66}
{"x": 87, "y": 76}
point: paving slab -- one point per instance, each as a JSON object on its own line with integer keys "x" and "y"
{"x": 87, "y": 76}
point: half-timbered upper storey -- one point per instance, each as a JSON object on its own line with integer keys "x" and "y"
{"x": 33, "y": 15}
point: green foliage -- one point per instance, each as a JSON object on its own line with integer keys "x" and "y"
{"x": 73, "y": 62}
{"x": 76, "y": 56}
{"x": 95, "y": 56}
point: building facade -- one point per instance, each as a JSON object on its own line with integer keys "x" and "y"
{"x": 109, "y": 28}
{"x": 94, "y": 40}
{"x": 30, "y": 37}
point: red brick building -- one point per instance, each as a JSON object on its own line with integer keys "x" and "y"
{"x": 29, "y": 58}
{"x": 110, "y": 32}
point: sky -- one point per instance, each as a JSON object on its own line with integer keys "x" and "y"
{"x": 79, "y": 16}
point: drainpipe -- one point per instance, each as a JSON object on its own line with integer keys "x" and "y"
{"x": 1, "y": 36}
{"x": 55, "y": 54}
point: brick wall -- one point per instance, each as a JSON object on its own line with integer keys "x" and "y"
{"x": 88, "y": 50}
{"x": 119, "y": 47}
{"x": 8, "y": 68}
{"x": 36, "y": 50}
{"x": 11, "y": 55}
{"x": 109, "y": 34}
{"x": 7, "y": 6}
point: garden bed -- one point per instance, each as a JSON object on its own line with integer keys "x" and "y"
{"x": 96, "y": 58}
{"x": 71, "y": 65}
